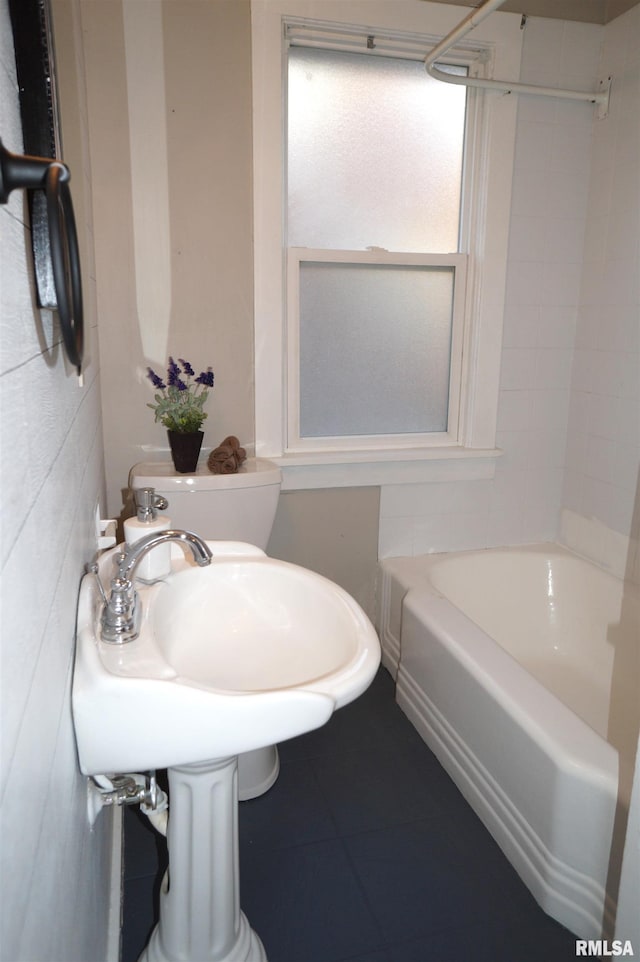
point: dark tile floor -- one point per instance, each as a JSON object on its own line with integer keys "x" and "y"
{"x": 364, "y": 850}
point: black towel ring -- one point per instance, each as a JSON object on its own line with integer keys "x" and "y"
{"x": 65, "y": 260}
{"x": 31, "y": 173}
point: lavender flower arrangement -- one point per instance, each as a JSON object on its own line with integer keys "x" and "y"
{"x": 179, "y": 406}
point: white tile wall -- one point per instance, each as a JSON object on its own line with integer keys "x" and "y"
{"x": 548, "y": 219}
{"x": 55, "y": 872}
{"x": 569, "y": 412}
{"x": 600, "y": 496}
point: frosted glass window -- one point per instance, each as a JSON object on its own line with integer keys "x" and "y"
{"x": 375, "y": 149}
{"x": 375, "y": 349}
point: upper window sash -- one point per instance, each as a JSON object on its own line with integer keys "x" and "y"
{"x": 375, "y": 153}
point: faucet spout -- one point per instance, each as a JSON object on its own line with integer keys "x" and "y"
{"x": 120, "y": 616}
{"x": 136, "y": 552}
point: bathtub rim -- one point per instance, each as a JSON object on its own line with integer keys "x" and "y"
{"x": 413, "y": 571}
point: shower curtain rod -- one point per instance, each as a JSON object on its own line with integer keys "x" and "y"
{"x": 601, "y": 97}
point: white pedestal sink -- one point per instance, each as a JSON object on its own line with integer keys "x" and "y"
{"x": 231, "y": 657}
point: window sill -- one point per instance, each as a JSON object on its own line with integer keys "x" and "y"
{"x": 342, "y": 469}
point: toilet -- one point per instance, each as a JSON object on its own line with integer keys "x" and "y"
{"x": 223, "y": 507}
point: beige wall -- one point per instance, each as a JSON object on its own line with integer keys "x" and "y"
{"x": 333, "y": 532}
{"x": 200, "y": 70}
{"x": 203, "y": 74}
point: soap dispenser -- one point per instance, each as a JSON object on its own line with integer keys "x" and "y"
{"x": 157, "y": 563}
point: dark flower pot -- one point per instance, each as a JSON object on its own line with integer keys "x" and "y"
{"x": 185, "y": 450}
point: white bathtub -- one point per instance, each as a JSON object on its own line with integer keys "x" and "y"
{"x": 515, "y": 665}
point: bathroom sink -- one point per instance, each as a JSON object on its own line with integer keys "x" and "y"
{"x": 232, "y": 657}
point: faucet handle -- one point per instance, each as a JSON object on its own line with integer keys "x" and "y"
{"x": 92, "y": 569}
{"x": 120, "y": 616}
{"x": 121, "y": 592}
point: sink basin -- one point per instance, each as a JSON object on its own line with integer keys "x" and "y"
{"x": 236, "y": 656}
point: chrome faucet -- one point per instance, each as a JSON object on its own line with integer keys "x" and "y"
{"x": 120, "y": 621}
{"x": 129, "y": 560}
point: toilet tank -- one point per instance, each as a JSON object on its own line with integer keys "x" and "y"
{"x": 218, "y": 507}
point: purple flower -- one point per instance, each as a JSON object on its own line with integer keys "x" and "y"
{"x": 155, "y": 380}
{"x": 173, "y": 372}
{"x": 205, "y": 378}
{"x": 179, "y": 406}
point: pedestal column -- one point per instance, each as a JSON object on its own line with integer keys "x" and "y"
{"x": 200, "y": 915}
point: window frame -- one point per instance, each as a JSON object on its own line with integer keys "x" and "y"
{"x": 489, "y": 165}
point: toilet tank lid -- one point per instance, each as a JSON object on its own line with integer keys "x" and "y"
{"x": 162, "y": 476}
